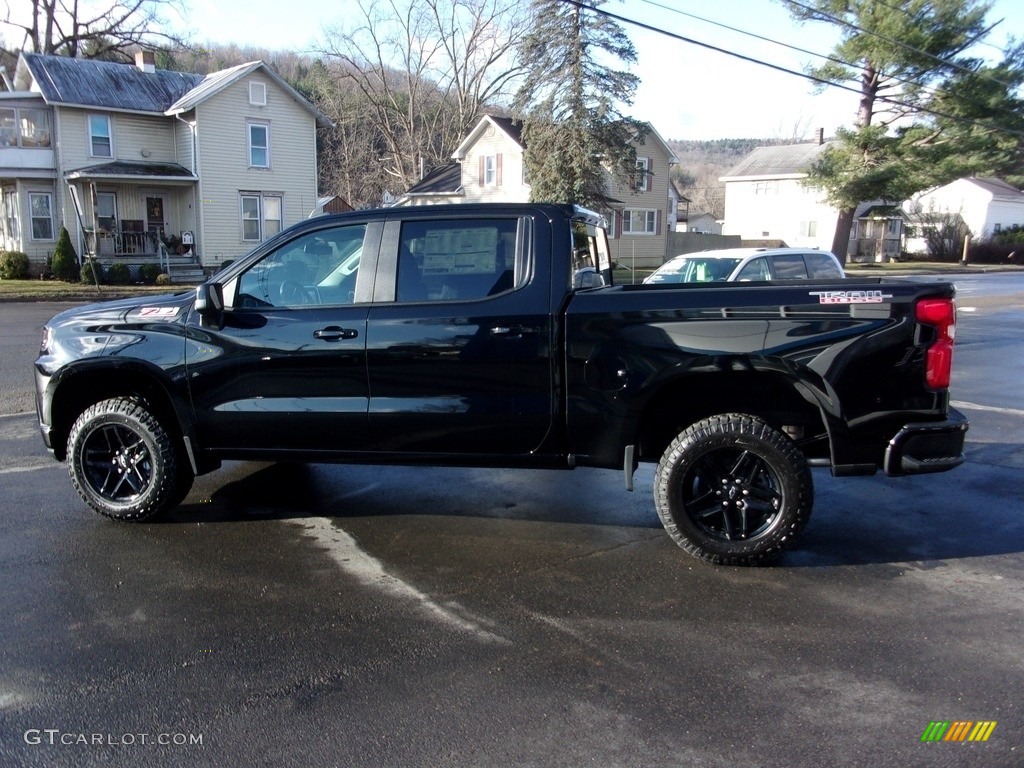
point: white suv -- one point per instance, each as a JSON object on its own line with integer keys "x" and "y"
{"x": 744, "y": 264}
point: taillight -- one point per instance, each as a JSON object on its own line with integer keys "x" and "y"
{"x": 941, "y": 315}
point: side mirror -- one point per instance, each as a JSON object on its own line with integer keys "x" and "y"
{"x": 210, "y": 304}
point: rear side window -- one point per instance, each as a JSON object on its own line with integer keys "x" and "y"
{"x": 460, "y": 260}
{"x": 789, "y": 266}
{"x": 821, "y": 265}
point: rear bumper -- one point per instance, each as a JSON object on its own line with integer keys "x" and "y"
{"x": 931, "y": 446}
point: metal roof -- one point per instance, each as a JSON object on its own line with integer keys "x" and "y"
{"x": 91, "y": 83}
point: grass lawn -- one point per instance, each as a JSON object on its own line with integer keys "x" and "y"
{"x": 55, "y": 290}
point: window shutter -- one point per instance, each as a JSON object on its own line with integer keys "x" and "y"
{"x": 647, "y": 176}
{"x": 657, "y": 221}
{"x": 617, "y": 225}
{"x": 483, "y": 170}
{"x": 497, "y": 170}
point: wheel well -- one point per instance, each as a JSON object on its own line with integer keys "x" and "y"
{"x": 85, "y": 388}
{"x": 771, "y": 397}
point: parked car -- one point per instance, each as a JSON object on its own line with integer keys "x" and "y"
{"x": 746, "y": 264}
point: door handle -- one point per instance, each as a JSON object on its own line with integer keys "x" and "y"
{"x": 335, "y": 333}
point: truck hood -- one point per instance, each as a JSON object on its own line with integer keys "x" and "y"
{"x": 163, "y": 308}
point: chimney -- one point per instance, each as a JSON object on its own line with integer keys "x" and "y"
{"x": 145, "y": 61}
{"x": 821, "y": 136}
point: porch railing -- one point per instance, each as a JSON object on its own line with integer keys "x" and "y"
{"x": 119, "y": 243}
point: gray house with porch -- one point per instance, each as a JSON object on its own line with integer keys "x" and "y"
{"x": 143, "y": 165}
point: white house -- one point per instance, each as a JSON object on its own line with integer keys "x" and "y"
{"x": 488, "y": 166}
{"x": 133, "y": 160}
{"x": 985, "y": 205}
{"x": 766, "y": 199}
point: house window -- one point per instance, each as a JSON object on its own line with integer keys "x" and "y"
{"x": 764, "y": 188}
{"x": 258, "y": 94}
{"x": 261, "y": 215}
{"x": 808, "y": 229}
{"x": 892, "y": 227}
{"x": 259, "y": 145}
{"x": 106, "y": 211}
{"x": 998, "y": 228}
{"x": 34, "y": 127}
{"x": 10, "y": 214}
{"x": 8, "y": 128}
{"x": 100, "y": 140}
{"x": 24, "y": 127}
{"x": 41, "y": 210}
{"x": 639, "y": 221}
{"x": 642, "y": 179}
{"x": 490, "y": 171}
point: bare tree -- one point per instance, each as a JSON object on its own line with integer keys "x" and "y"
{"x": 110, "y": 30}
{"x": 424, "y": 70}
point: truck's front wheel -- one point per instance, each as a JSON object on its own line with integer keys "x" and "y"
{"x": 123, "y": 462}
{"x": 733, "y": 490}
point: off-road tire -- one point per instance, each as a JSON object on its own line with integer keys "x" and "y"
{"x": 124, "y": 463}
{"x": 733, "y": 490}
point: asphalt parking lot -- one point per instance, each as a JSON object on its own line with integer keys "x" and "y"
{"x": 351, "y": 616}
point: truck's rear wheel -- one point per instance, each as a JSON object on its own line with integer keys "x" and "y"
{"x": 732, "y": 490}
{"x": 123, "y": 462}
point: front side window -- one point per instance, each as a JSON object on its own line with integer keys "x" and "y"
{"x": 259, "y": 145}
{"x": 458, "y": 260}
{"x": 317, "y": 268}
{"x": 100, "y": 139}
{"x": 638, "y": 221}
{"x": 41, "y": 208}
{"x": 262, "y": 216}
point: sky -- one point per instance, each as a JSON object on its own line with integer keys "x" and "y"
{"x": 686, "y": 91}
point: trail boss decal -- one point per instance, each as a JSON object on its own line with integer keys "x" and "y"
{"x": 164, "y": 313}
{"x": 850, "y": 297}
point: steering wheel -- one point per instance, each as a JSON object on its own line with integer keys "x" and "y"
{"x": 293, "y": 293}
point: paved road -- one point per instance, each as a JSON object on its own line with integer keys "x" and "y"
{"x": 359, "y": 616}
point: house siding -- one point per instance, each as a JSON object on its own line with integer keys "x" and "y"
{"x": 774, "y": 208}
{"x": 222, "y": 129}
{"x": 511, "y": 189}
{"x": 643, "y": 250}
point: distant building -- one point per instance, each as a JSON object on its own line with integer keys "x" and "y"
{"x": 488, "y": 166}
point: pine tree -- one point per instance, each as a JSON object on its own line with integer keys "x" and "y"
{"x": 910, "y": 60}
{"x": 570, "y": 103}
{"x": 65, "y": 261}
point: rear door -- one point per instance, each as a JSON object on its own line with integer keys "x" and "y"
{"x": 459, "y": 338}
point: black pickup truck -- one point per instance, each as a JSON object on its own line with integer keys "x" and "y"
{"x": 493, "y": 335}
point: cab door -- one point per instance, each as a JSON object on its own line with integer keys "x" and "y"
{"x": 459, "y": 339}
{"x": 287, "y": 370}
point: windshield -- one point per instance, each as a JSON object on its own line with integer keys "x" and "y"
{"x": 694, "y": 269}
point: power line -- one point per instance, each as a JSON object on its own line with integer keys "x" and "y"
{"x": 826, "y": 57}
{"x": 784, "y": 70}
{"x": 894, "y": 41}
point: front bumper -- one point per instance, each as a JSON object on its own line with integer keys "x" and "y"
{"x": 930, "y": 446}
